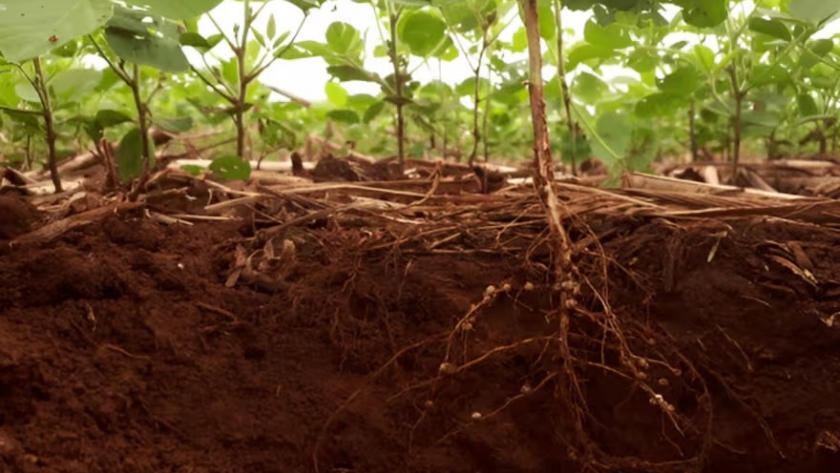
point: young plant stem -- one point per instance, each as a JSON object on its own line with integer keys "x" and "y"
{"x": 133, "y": 83}
{"x": 40, "y": 85}
{"x": 237, "y": 95}
{"x": 739, "y": 96}
{"x": 393, "y": 19}
{"x": 564, "y": 85}
{"x": 445, "y": 119}
{"x": 477, "y": 97}
{"x": 142, "y": 118}
{"x": 692, "y": 132}
{"x": 243, "y": 81}
{"x": 486, "y": 123}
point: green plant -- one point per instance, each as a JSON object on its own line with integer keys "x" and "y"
{"x": 714, "y": 78}
{"x": 234, "y": 78}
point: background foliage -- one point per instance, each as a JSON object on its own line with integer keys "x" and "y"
{"x": 719, "y": 77}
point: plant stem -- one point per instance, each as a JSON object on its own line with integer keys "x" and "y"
{"x": 477, "y": 97}
{"x": 142, "y": 122}
{"x": 565, "y": 273}
{"x": 564, "y": 85}
{"x": 242, "y": 90}
{"x": 542, "y": 149}
{"x": 739, "y": 95}
{"x": 445, "y": 118}
{"x": 49, "y": 124}
{"x": 692, "y": 132}
{"x": 486, "y": 122}
{"x": 393, "y": 18}
{"x": 27, "y": 158}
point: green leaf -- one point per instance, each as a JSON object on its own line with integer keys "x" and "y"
{"x": 683, "y": 81}
{"x": 309, "y": 49}
{"x": 107, "y": 117}
{"x": 642, "y": 60}
{"x": 579, "y": 149}
{"x": 75, "y": 83}
{"x": 422, "y": 31}
{"x": 344, "y": 39}
{"x": 773, "y": 27}
{"x": 271, "y": 28}
{"x": 807, "y": 105}
{"x": 658, "y": 105}
{"x": 350, "y": 73}
{"x": 588, "y": 87}
{"x": 466, "y": 17}
{"x": 360, "y": 102}
{"x": 68, "y": 50}
{"x": 520, "y": 41}
{"x": 705, "y": 57}
{"x": 109, "y": 80}
{"x": 259, "y": 38}
{"x": 27, "y": 92}
{"x": 177, "y": 124}
{"x": 765, "y": 74}
{"x": 336, "y": 94}
{"x": 582, "y": 53}
{"x": 707, "y": 13}
{"x": 159, "y": 53}
{"x": 548, "y": 28}
{"x": 373, "y": 111}
{"x": 8, "y": 96}
{"x": 813, "y": 11}
{"x": 610, "y": 37}
{"x": 176, "y": 10}
{"x": 129, "y": 155}
{"x": 615, "y": 133}
{"x": 814, "y": 52}
{"x": 26, "y": 27}
{"x": 231, "y": 168}
{"x": 305, "y": 5}
{"x": 94, "y": 130}
{"x": 760, "y": 119}
{"x": 279, "y": 40}
{"x": 195, "y": 40}
{"x": 344, "y": 115}
{"x": 447, "y": 50}
{"x": 193, "y": 169}
{"x": 133, "y": 40}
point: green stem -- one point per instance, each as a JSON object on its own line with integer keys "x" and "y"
{"x": 564, "y": 85}
{"x": 477, "y": 99}
{"x": 49, "y": 123}
{"x": 242, "y": 77}
{"x": 393, "y": 18}
{"x": 141, "y": 118}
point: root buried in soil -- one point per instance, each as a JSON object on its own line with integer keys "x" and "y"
{"x": 344, "y": 345}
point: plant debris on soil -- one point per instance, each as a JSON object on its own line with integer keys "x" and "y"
{"x": 356, "y": 327}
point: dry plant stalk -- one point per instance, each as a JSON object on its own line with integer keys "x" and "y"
{"x": 564, "y": 269}
{"x": 544, "y": 175}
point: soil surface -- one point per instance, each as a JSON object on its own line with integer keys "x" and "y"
{"x": 123, "y": 350}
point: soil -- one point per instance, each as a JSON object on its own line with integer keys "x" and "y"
{"x": 123, "y": 350}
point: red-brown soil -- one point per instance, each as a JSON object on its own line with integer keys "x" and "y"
{"x": 122, "y": 350}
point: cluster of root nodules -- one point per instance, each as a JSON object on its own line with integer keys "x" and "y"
{"x": 132, "y": 346}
